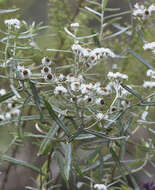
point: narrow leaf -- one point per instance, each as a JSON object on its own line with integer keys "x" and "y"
{"x": 8, "y": 95}
{"x": 55, "y": 117}
{"x": 21, "y": 163}
{"x": 36, "y": 98}
{"x": 140, "y": 59}
{"x": 68, "y": 159}
{"x": 47, "y": 139}
{"x": 131, "y": 91}
{"x": 8, "y": 11}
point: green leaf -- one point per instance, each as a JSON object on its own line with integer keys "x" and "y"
{"x": 36, "y": 98}
{"x": 47, "y": 139}
{"x": 131, "y": 91}
{"x": 113, "y": 119}
{"x": 8, "y": 95}
{"x": 102, "y": 135}
{"x": 8, "y": 11}
{"x": 20, "y": 130}
{"x": 20, "y": 162}
{"x": 147, "y": 104}
{"x": 68, "y": 159}
{"x": 24, "y": 118}
{"x": 141, "y": 59}
{"x": 55, "y": 117}
{"x": 117, "y": 161}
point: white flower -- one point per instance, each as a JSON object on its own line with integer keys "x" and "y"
{"x": 15, "y": 112}
{"x": 25, "y": 74}
{"x": 75, "y": 25}
{"x": 139, "y": 5}
{"x": 99, "y": 116}
{"x": 100, "y": 187}
{"x": 45, "y": 70}
{"x": 79, "y": 184}
{"x": 149, "y": 84}
{"x": 85, "y": 88}
{"x": 46, "y": 61}
{"x": 61, "y": 77}
{"x": 2, "y": 92}
{"x": 102, "y": 91}
{"x": 8, "y": 115}
{"x": 75, "y": 86}
{"x": 60, "y": 89}
{"x": 150, "y": 46}
{"x": 140, "y": 11}
{"x": 151, "y": 8}
{"x": 150, "y": 73}
{"x": 71, "y": 78}
{"x": 11, "y": 105}
{"x": 49, "y": 77}
{"x": 76, "y": 48}
{"x": 117, "y": 75}
{"x": 99, "y": 101}
{"x": 13, "y": 22}
{"x": 1, "y": 117}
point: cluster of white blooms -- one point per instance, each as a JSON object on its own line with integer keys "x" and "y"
{"x": 150, "y": 73}
{"x": 150, "y": 46}
{"x": 141, "y": 12}
{"x": 46, "y": 69}
{"x": 75, "y": 25}
{"x": 9, "y": 111}
{"x": 13, "y": 22}
{"x": 79, "y": 91}
{"x": 100, "y": 187}
{"x": 60, "y": 90}
{"x": 149, "y": 84}
{"x": 91, "y": 57}
{"x": 117, "y": 75}
{"x": 23, "y": 73}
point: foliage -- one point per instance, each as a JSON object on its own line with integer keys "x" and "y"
{"x": 85, "y": 112}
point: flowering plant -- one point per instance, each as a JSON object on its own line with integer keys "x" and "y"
{"x": 85, "y": 111}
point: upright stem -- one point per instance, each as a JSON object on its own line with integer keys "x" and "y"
{"x": 102, "y": 20}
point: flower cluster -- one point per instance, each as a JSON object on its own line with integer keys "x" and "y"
{"x": 141, "y": 12}
{"x": 149, "y": 84}
{"x": 23, "y": 73}
{"x": 100, "y": 187}
{"x": 9, "y": 111}
{"x": 150, "y": 46}
{"x": 91, "y": 57}
{"x": 13, "y": 22}
{"x": 46, "y": 70}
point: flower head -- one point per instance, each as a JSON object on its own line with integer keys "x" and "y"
{"x": 13, "y": 22}
{"x": 100, "y": 187}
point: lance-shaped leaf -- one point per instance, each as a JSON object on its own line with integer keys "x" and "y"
{"x": 102, "y": 135}
{"x": 131, "y": 91}
{"x": 140, "y": 59}
{"x": 8, "y": 95}
{"x": 3, "y": 11}
{"x": 36, "y": 98}
{"x": 20, "y": 162}
{"x": 48, "y": 139}
{"x": 20, "y": 130}
{"x": 55, "y": 117}
{"x": 147, "y": 104}
{"x": 68, "y": 159}
{"x": 113, "y": 119}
